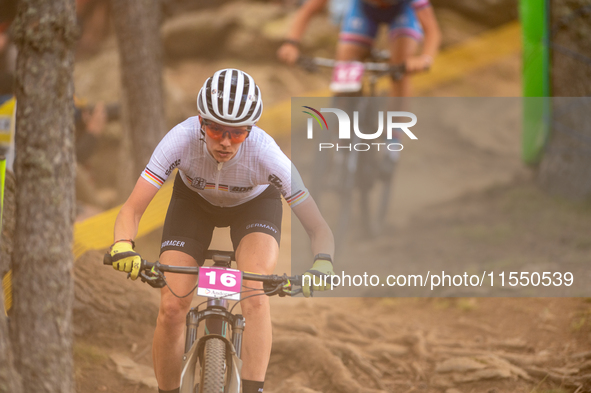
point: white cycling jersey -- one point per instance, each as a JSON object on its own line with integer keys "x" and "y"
{"x": 258, "y": 163}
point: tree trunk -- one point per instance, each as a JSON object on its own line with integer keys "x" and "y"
{"x": 45, "y": 33}
{"x": 137, "y": 24}
{"x": 564, "y": 169}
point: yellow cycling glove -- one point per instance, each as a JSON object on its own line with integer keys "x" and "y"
{"x": 318, "y": 277}
{"x": 125, "y": 259}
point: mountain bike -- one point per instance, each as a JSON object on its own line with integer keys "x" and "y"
{"x": 336, "y": 174}
{"x": 211, "y": 363}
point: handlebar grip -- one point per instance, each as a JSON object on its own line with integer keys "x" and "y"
{"x": 307, "y": 63}
{"x": 107, "y": 259}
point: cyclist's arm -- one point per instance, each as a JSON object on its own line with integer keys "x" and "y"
{"x": 127, "y": 222}
{"x": 432, "y": 39}
{"x": 288, "y": 52}
{"x": 303, "y": 16}
{"x": 280, "y": 171}
{"x": 321, "y": 237}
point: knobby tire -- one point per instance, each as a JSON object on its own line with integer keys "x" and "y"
{"x": 213, "y": 370}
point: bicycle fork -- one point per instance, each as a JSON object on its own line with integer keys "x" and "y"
{"x": 217, "y": 313}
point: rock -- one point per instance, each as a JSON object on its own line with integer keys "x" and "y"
{"x": 236, "y": 29}
{"x": 171, "y": 8}
{"x": 249, "y": 45}
{"x": 252, "y": 16}
{"x": 456, "y": 28}
{"x": 489, "y": 12}
{"x": 97, "y": 302}
{"x": 133, "y": 372}
{"x": 200, "y": 33}
{"x": 258, "y": 33}
{"x": 261, "y": 29}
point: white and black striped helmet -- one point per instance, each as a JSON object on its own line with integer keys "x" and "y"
{"x": 230, "y": 97}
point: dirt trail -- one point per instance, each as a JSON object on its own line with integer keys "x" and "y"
{"x": 405, "y": 345}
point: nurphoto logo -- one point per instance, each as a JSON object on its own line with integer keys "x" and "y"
{"x": 392, "y": 121}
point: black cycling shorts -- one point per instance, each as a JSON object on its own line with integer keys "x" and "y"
{"x": 190, "y": 220}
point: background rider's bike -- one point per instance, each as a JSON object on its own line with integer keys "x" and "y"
{"x": 211, "y": 363}
{"x": 338, "y": 177}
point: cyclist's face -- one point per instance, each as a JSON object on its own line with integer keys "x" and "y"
{"x": 223, "y": 141}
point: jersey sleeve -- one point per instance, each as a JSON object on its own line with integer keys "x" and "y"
{"x": 167, "y": 156}
{"x": 281, "y": 173}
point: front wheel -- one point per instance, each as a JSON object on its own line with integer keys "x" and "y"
{"x": 213, "y": 370}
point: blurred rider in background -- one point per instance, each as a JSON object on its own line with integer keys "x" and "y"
{"x": 409, "y": 22}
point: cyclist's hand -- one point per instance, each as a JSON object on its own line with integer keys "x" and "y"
{"x": 288, "y": 53}
{"x": 125, "y": 259}
{"x": 418, "y": 63}
{"x": 321, "y": 268}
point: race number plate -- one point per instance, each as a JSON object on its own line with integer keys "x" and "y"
{"x": 219, "y": 282}
{"x": 346, "y": 77}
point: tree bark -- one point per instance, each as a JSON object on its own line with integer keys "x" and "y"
{"x": 564, "y": 169}
{"x": 137, "y": 24}
{"x": 45, "y": 33}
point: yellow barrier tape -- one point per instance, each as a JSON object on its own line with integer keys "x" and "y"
{"x": 6, "y": 280}
{"x": 478, "y": 52}
{"x": 96, "y": 232}
{"x": 7, "y": 117}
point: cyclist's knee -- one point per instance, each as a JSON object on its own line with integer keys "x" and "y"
{"x": 173, "y": 310}
{"x": 255, "y": 305}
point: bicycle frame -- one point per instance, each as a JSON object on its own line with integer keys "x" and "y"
{"x": 216, "y": 310}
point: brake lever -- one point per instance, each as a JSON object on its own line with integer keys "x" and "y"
{"x": 153, "y": 278}
{"x": 286, "y": 289}
{"x": 270, "y": 290}
{"x": 295, "y": 292}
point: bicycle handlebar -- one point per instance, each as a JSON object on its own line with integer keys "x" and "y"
{"x": 272, "y": 279}
{"x": 194, "y": 270}
{"x": 311, "y": 64}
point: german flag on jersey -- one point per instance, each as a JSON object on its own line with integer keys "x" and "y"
{"x": 152, "y": 177}
{"x": 297, "y": 197}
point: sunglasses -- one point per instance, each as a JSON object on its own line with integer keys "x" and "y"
{"x": 218, "y": 133}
